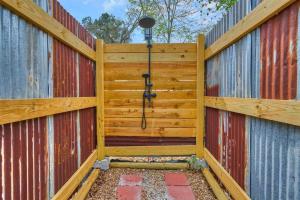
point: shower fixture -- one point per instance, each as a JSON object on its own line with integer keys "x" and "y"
{"x": 147, "y": 23}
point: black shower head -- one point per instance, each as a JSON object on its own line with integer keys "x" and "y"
{"x": 146, "y": 22}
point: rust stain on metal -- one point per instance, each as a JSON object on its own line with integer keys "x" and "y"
{"x": 233, "y": 146}
{"x": 279, "y": 55}
{"x": 212, "y": 125}
{"x": 25, "y": 159}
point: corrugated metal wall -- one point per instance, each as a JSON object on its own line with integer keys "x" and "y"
{"x": 24, "y": 70}
{"x": 38, "y": 156}
{"x": 262, "y": 156}
{"x": 73, "y": 75}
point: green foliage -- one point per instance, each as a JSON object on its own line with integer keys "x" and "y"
{"x": 194, "y": 164}
{"x": 108, "y": 28}
{"x": 222, "y": 4}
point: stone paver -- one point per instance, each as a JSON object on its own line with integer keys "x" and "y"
{"x": 131, "y": 180}
{"x": 176, "y": 179}
{"x": 180, "y": 193}
{"x": 129, "y": 192}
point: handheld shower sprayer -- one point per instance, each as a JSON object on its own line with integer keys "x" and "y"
{"x": 147, "y": 23}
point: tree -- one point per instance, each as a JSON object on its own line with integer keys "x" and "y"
{"x": 108, "y": 28}
{"x": 176, "y": 20}
{"x": 222, "y": 4}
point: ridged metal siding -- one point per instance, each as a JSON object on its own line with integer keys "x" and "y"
{"x": 24, "y": 69}
{"x": 265, "y": 66}
{"x": 87, "y": 89}
{"x": 229, "y": 71}
{"x": 275, "y": 147}
{"x": 73, "y": 75}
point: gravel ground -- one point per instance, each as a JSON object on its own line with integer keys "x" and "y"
{"x": 154, "y": 187}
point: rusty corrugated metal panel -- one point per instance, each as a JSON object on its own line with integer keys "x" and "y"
{"x": 148, "y": 141}
{"x": 279, "y": 55}
{"x": 275, "y": 155}
{"x": 65, "y": 85}
{"x": 212, "y": 125}
{"x": 232, "y": 72}
{"x": 24, "y": 68}
{"x": 87, "y": 89}
{"x": 233, "y": 157}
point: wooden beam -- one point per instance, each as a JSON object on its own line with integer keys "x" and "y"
{"x": 23, "y": 109}
{"x": 214, "y": 185}
{"x": 152, "y": 165}
{"x": 157, "y": 48}
{"x": 149, "y": 132}
{"x": 86, "y": 186}
{"x": 100, "y": 98}
{"x": 200, "y": 96}
{"x": 231, "y": 185}
{"x": 180, "y": 150}
{"x": 38, "y": 17}
{"x": 285, "y": 111}
{"x": 69, "y": 187}
{"x": 263, "y": 12}
{"x": 143, "y": 57}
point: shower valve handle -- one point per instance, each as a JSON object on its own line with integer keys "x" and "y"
{"x": 146, "y": 75}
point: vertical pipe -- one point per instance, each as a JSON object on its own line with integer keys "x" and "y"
{"x": 100, "y": 98}
{"x": 200, "y": 96}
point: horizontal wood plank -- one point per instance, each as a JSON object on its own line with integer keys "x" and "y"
{"x": 263, "y": 12}
{"x": 286, "y": 111}
{"x": 231, "y": 185}
{"x": 143, "y": 57}
{"x": 180, "y": 150}
{"x": 157, "y": 48}
{"x": 37, "y": 16}
{"x": 150, "y": 132}
{"x": 69, "y": 187}
{"x": 151, "y": 123}
{"x": 19, "y": 110}
{"x": 160, "y": 94}
{"x": 158, "y": 103}
{"x": 150, "y": 113}
{"x": 157, "y": 85}
{"x": 134, "y": 71}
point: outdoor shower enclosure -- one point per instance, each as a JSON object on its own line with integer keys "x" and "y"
{"x": 68, "y": 100}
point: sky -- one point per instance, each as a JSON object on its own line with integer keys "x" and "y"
{"x": 94, "y": 8}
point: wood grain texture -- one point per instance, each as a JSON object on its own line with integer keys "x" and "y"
{"x": 157, "y": 104}
{"x": 160, "y": 71}
{"x": 200, "y": 96}
{"x": 285, "y": 111}
{"x": 143, "y": 57}
{"x": 86, "y": 186}
{"x": 231, "y": 185}
{"x": 152, "y": 123}
{"x": 100, "y": 98}
{"x": 150, "y": 113}
{"x": 150, "y": 132}
{"x": 166, "y": 84}
{"x": 150, "y": 165}
{"x": 214, "y": 185}
{"x": 157, "y": 48}
{"x": 70, "y": 186}
{"x": 38, "y": 17}
{"x": 263, "y": 12}
{"x": 151, "y": 150}
{"x": 160, "y": 94}
{"x": 19, "y": 110}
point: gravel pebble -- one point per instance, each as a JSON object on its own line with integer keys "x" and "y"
{"x": 154, "y": 187}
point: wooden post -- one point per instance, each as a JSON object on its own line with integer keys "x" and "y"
{"x": 100, "y": 98}
{"x": 200, "y": 97}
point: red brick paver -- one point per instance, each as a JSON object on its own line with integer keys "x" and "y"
{"x": 129, "y": 192}
{"x": 176, "y": 179}
{"x": 180, "y": 193}
{"x": 131, "y": 180}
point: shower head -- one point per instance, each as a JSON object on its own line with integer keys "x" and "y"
{"x": 146, "y": 22}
